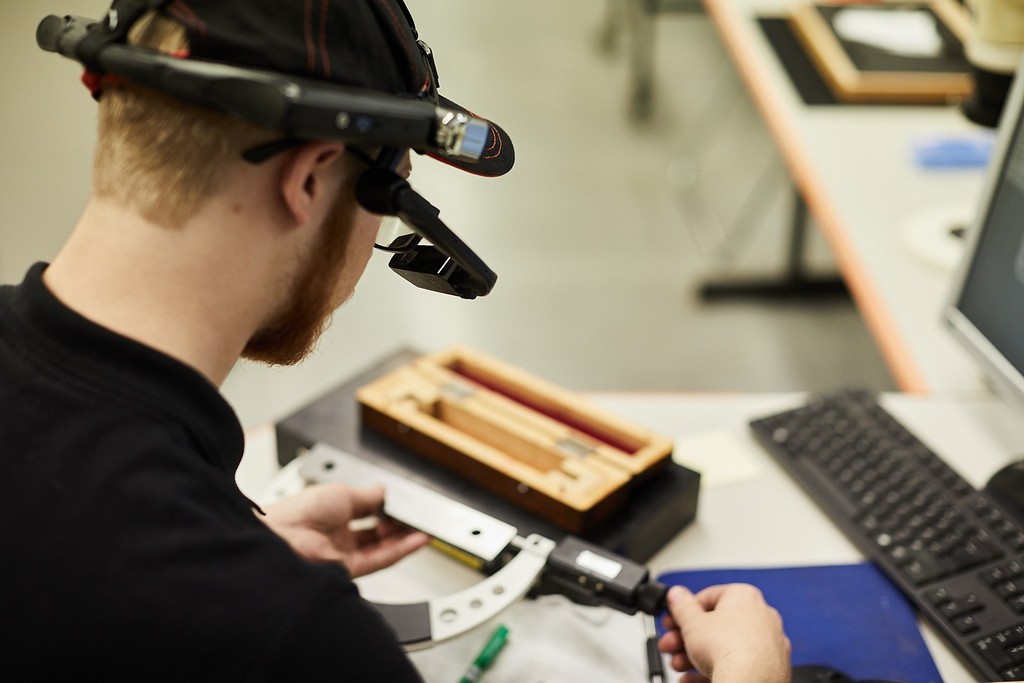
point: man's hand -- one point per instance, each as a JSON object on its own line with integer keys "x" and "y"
{"x": 317, "y": 524}
{"x": 725, "y": 633}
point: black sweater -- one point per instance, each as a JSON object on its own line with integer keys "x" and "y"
{"x": 126, "y": 550}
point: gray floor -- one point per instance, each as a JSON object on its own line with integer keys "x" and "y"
{"x": 604, "y": 229}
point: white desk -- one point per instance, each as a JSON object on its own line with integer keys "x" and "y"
{"x": 744, "y": 524}
{"x": 853, "y": 165}
{"x": 753, "y": 523}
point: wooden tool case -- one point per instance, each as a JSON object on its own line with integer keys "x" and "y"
{"x": 531, "y": 442}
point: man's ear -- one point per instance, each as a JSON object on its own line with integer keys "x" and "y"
{"x": 310, "y": 176}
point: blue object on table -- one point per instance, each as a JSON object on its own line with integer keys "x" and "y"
{"x": 937, "y": 151}
{"x": 849, "y": 617}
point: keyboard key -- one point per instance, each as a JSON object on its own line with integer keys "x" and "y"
{"x": 960, "y": 606}
{"x": 1016, "y": 603}
{"x": 966, "y": 624}
{"x": 973, "y": 553}
{"x": 923, "y": 570}
{"x": 938, "y": 596}
{"x": 1008, "y": 589}
{"x": 994, "y": 653}
{"x": 1014, "y": 674}
{"x": 995, "y": 575}
{"x": 1011, "y": 636}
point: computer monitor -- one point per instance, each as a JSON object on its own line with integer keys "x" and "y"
{"x": 986, "y": 311}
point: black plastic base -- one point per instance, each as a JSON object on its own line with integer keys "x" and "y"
{"x": 655, "y": 512}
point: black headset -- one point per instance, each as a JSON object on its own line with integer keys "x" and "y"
{"x": 306, "y": 109}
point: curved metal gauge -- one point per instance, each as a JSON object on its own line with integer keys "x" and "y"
{"x": 442, "y": 518}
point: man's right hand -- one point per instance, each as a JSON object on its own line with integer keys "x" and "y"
{"x": 725, "y": 633}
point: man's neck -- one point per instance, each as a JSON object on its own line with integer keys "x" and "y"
{"x": 190, "y": 292}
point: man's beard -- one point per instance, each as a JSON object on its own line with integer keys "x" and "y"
{"x": 292, "y": 334}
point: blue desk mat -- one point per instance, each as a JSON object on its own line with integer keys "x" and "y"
{"x": 849, "y": 617}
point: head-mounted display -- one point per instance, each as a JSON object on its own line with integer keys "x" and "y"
{"x": 389, "y": 105}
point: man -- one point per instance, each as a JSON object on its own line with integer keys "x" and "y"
{"x": 128, "y": 552}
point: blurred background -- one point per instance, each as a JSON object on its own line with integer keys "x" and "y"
{"x": 601, "y": 235}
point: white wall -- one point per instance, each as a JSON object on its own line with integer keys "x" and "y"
{"x": 46, "y": 138}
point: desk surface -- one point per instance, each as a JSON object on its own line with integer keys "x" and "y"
{"x": 752, "y": 523}
{"x": 854, "y": 167}
{"x": 743, "y": 524}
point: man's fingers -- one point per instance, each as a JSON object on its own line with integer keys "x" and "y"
{"x": 680, "y": 662}
{"x": 376, "y": 533}
{"x": 694, "y": 677}
{"x": 684, "y": 605}
{"x": 710, "y": 596}
{"x": 389, "y": 527}
{"x": 366, "y": 502}
{"x": 388, "y": 551}
{"x": 734, "y": 593}
{"x": 671, "y": 642}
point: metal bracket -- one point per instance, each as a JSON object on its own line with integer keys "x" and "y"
{"x": 454, "y": 524}
{"x": 419, "y": 625}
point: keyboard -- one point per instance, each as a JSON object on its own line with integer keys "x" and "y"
{"x": 952, "y": 550}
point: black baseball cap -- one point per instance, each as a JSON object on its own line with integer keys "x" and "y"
{"x": 370, "y": 44}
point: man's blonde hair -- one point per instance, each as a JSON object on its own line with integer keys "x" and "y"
{"x": 158, "y": 155}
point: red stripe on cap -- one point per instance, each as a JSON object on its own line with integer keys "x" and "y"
{"x": 323, "y": 39}
{"x": 468, "y": 168}
{"x": 307, "y": 19}
{"x": 496, "y": 141}
{"x": 397, "y": 23}
{"x": 186, "y": 15}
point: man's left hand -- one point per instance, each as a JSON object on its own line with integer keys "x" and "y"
{"x": 317, "y": 524}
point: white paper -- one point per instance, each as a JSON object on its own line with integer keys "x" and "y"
{"x": 550, "y": 640}
{"x": 911, "y": 33}
{"x": 721, "y": 456}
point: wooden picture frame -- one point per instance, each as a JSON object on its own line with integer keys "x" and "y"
{"x": 891, "y": 79}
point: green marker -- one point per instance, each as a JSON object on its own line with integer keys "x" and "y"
{"x": 486, "y": 657}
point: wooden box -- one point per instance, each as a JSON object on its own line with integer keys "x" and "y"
{"x": 535, "y": 444}
{"x": 859, "y": 73}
